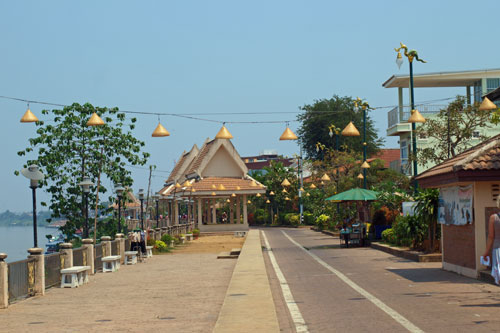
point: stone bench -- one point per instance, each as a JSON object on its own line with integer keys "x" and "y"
{"x": 149, "y": 251}
{"x": 189, "y": 237}
{"x": 130, "y": 257}
{"x": 240, "y": 233}
{"x": 110, "y": 263}
{"x": 75, "y": 276}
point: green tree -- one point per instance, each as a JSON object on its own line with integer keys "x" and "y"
{"x": 451, "y": 131}
{"x": 68, "y": 150}
{"x": 338, "y": 111}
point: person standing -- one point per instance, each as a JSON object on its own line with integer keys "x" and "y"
{"x": 493, "y": 244}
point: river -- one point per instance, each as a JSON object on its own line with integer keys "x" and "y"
{"x": 15, "y": 241}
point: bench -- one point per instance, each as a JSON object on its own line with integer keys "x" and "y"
{"x": 75, "y": 276}
{"x": 189, "y": 237}
{"x": 240, "y": 233}
{"x": 110, "y": 263}
{"x": 130, "y": 257}
{"x": 149, "y": 251}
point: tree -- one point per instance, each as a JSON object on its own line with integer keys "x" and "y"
{"x": 451, "y": 131}
{"x": 68, "y": 150}
{"x": 338, "y": 111}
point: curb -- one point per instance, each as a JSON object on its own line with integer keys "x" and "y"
{"x": 407, "y": 254}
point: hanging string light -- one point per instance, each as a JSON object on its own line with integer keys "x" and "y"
{"x": 223, "y": 133}
{"x": 288, "y": 134}
{"x": 28, "y": 116}
{"x": 95, "y": 120}
{"x": 487, "y": 105}
{"x": 350, "y": 130}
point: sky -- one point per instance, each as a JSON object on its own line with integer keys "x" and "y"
{"x": 220, "y": 57}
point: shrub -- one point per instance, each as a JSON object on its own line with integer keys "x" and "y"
{"x": 167, "y": 239}
{"x": 409, "y": 231}
{"x": 293, "y": 219}
{"x": 150, "y": 242}
{"x": 196, "y": 232}
{"x": 308, "y": 218}
{"x": 261, "y": 216}
{"x": 160, "y": 246}
{"x": 388, "y": 236}
{"x": 322, "y": 221}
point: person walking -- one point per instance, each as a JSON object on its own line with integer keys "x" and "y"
{"x": 493, "y": 244}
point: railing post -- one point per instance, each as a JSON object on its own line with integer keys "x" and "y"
{"x": 121, "y": 246}
{"x": 106, "y": 246}
{"x": 88, "y": 244}
{"x": 158, "y": 234}
{"x": 39, "y": 273}
{"x": 164, "y": 230}
{"x": 66, "y": 250}
{"x": 4, "y": 282}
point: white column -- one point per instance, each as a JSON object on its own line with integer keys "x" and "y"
{"x": 214, "y": 212}
{"x": 200, "y": 214}
{"x": 176, "y": 212}
{"x": 231, "y": 210}
{"x": 245, "y": 217}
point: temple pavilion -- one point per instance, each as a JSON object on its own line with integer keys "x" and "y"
{"x": 211, "y": 187}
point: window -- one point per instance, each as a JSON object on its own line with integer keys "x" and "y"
{"x": 404, "y": 150}
{"x": 492, "y": 84}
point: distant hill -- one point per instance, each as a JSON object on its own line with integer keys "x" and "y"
{"x": 10, "y": 218}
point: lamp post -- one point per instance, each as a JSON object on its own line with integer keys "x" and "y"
{"x": 415, "y": 116}
{"x": 141, "y": 198}
{"x": 34, "y": 175}
{"x": 156, "y": 198}
{"x": 119, "y": 189}
{"x": 85, "y": 185}
{"x": 334, "y": 130}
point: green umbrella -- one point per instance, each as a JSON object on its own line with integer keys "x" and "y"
{"x": 355, "y": 194}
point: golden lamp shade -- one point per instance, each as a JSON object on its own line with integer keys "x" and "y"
{"x": 360, "y": 176}
{"x": 284, "y": 190}
{"x": 301, "y": 189}
{"x": 249, "y": 202}
{"x": 193, "y": 190}
{"x": 312, "y": 186}
{"x": 29, "y": 117}
{"x": 214, "y": 187}
{"x": 177, "y": 185}
{"x": 322, "y": 183}
{"x": 486, "y": 105}
{"x": 223, "y": 133}
{"x": 288, "y": 135}
{"x": 416, "y": 117}
{"x": 307, "y": 194}
{"x": 160, "y": 131}
{"x": 238, "y": 188}
{"x": 267, "y": 201}
{"x": 253, "y": 183}
{"x": 228, "y": 200}
{"x": 350, "y": 130}
{"x": 233, "y": 195}
{"x": 221, "y": 187}
{"x": 258, "y": 195}
{"x": 285, "y": 182}
{"x": 186, "y": 184}
{"x": 325, "y": 178}
{"x": 287, "y": 198}
{"x": 213, "y": 193}
{"x": 271, "y": 193}
{"x": 95, "y": 120}
{"x": 365, "y": 165}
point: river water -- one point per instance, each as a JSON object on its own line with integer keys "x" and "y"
{"x": 15, "y": 241}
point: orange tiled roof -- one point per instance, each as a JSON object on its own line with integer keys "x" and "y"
{"x": 199, "y": 159}
{"x": 387, "y": 155}
{"x": 230, "y": 185}
{"x": 178, "y": 165}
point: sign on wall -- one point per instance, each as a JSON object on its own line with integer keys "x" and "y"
{"x": 455, "y": 205}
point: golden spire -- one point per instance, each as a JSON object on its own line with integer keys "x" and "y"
{"x": 223, "y": 133}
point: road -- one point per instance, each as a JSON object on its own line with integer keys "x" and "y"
{"x": 333, "y": 289}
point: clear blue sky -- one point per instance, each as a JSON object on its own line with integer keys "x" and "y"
{"x": 221, "y": 56}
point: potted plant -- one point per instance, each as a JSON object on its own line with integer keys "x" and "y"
{"x": 196, "y": 233}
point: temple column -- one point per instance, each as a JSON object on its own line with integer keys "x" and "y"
{"x": 214, "y": 212}
{"x": 238, "y": 210}
{"x": 200, "y": 214}
{"x": 176, "y": 212}
{"x": 231, "y": 210}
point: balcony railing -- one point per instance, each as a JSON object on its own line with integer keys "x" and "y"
{"x": 426, "y": 109}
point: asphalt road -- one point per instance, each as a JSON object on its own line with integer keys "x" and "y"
{"x": 333, "y": 289}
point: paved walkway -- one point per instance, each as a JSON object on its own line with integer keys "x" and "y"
{"x": 168, "y": 293}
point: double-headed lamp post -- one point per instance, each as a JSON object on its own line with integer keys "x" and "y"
{"x": 415, "y": 116}
{"x": 141, "y": 198}
{"x": 34, "y": 175}
{"x": 85, "y": 185}
{"x": 119, "y": 189}
{"x": 156, "y": 198}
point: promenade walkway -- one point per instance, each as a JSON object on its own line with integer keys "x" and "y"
{"x": 180, "y": 292}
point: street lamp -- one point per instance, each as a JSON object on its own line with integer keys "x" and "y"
{"x": 415, "y": 117}
{"x": 85, "y": 185}
{"x": 119, "y": 189}
{"x": 34, "y": 175}
{"x": 141, "y": 198}
{"x": 334, "y": 130}
{"x": 156, "y": 197}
